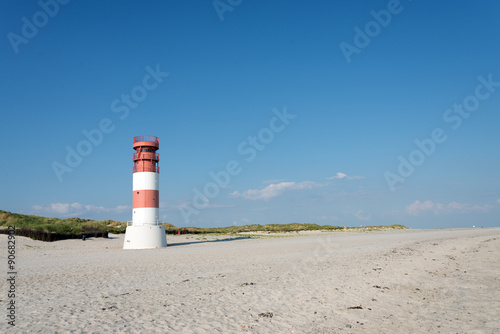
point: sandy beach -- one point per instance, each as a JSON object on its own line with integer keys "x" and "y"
{"x": 411, "y": 281}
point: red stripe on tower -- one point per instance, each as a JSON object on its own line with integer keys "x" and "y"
{"x": 146, "y": 199}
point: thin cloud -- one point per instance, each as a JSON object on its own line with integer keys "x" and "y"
{"x": 361, "y": 216}
{"x": 417, "y": 208}
{"x": 73, "y": 209}
{"x": 217, "y": 206}
{"x": 274, "y": 190}
{"x": 241, "y": 221}
{"x": 326, "y": 218}
{"x": 206, "y": 205}
{"x": 273, "y": 181}
{"x": 341, "y": 175}
{"x": 175, "y": 206}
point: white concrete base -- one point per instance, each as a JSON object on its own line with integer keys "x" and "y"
{"x": 145, "y": 236}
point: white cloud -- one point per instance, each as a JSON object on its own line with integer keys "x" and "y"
{"x": 75, "y": 209}
{"x": 341, "y": 175}
{"x": 417, "y": 208}
{"x": 274, "y": 190}
{"x": 498, "y": 201}
{"x": 481, "y": 208}
{"x": 361, "y": 216}
{"x": 456, "y": 206}
{"x": 59, "y": 207}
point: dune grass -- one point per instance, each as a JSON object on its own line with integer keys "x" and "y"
{"x": 67, "y": 225}
{"x": 272, "y": 228}
{"x": 79, "y": 225}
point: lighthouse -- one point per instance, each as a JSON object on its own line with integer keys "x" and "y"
{"x": 145, "y": 231}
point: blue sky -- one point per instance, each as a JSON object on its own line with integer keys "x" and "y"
{"x": 315, "y": 107}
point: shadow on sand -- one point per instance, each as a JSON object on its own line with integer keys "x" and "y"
{"x": 204, "y": 241}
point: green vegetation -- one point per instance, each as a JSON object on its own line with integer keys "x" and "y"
{"x": 68, "y": 225}
{"x": 272, "y": 228}
{"x": 78, "y": 225}
{"x": 293, "y": 227}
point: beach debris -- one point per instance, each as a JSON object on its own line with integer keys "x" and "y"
{"x": 123, "y": 294}
{"x": 355, "y": 307}
{"x": 245, "y": 284}
{"x": 266, "y": 315}
{"x": 379, "y": 287}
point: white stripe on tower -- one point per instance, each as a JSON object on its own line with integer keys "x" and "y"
{"x": 145, "y": 181}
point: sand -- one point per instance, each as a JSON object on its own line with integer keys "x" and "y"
{"x": 414, "y": 281}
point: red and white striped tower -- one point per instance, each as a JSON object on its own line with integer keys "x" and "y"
{"x": 145, "y": 231}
